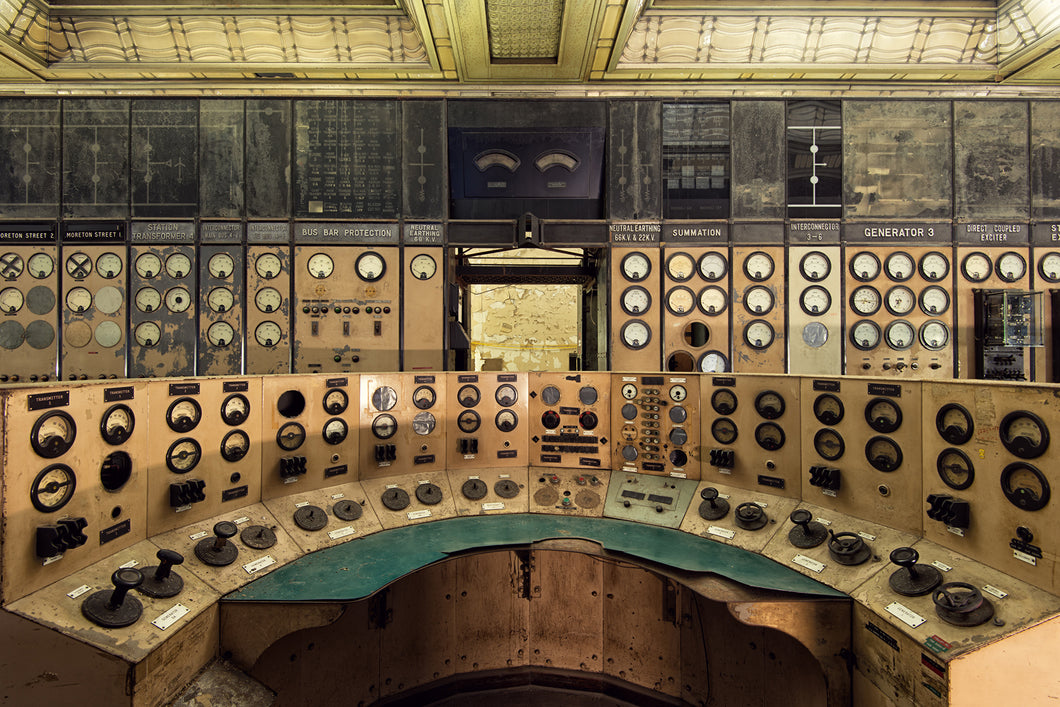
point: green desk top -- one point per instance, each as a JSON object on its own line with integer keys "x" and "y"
{"x": 361, "y": 567}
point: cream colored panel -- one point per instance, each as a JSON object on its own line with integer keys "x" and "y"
{"x": 636, "y": 336}
{"x": 490, "y": 491}
{"x": 563, "y": 492}
{"x": 29, "y": 302}
{"x": 414, "y": 498}
{"x": 94, "y": 339}
{"x": 486, "y": 420}
{"x": 403, "y": 423}
{"x": 734, "y": 516}
{"x": 268, "y": 348}
{"x": 815, "y": 340}
{"x": 759, "y": 339}
{"x": 570, "y": 420}
{"x": 655, "y": 420}
{"x": 695, "y": 306}
{"x": 331, "y": 517}
{"x": 423, "y": 308}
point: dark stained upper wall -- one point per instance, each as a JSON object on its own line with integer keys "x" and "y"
{"x": 1045, "y": 160}
{"x": 758, "y": 160}
{"x": 991, "y": 173}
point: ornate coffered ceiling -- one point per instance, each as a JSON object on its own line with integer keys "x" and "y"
{"x": 471, "y": 46}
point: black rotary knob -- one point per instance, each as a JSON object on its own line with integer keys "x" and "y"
{"x": 588, "y": 420}
{"x": 911, "y": 579}
{"x": 961, "y": 604}
{"x": 474, "y": 489}
{"x": 114, "y": 609}
{"x": 807, "y": 532}
{"x": 217, "y": 551}
{"x": 848, "y": 548}
{"x": 712, "y": 507}
{"x": 550, "y": 419}
{"x": 751, "y": 516}
{"x": 160, "y": 581}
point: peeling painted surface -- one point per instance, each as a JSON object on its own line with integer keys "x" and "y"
{"x": 530, "y": 328}
{"x": 1045, "y": 160}
{"x": 222, "y": 684}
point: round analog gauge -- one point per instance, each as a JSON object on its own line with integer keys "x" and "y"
{"x": 424, "y": 397}
{"x": 53, "y": 434}
{"x": 1011, "y": 266}
{"x": 336, "y": 401}
{"x": 78, "y": 299}
{"x": 769, "y": 436}
{"x": 954, "y": 423}
{"x": 713, "y": 300}
{"x": 769, "y": 404}
{"x": 290, "y": 437}
{"x": 109, "y": 299}
{"x": 680, "y": 301}
{"x": 550, "y": 395}
{"x": 268, "y": 300}
{"x": 899, "y": 266}
{"x": 758, "y": 266}
{"x": 384, "y": 398}
{"x": 635, "y": 334}
{"x": 53, "y": 488}
{"x": 934, "y": 266}
{"x": 235, "y": 409}
{"x": 635, "y": 300}
{"x": 635, "y": 266}
{"x": 78, "y": 265}
{"x": 865, "y": 300}
{"x": 723, "y": 401}
{"x": 1048, "y": 266}
{"x": 758, "y": 334}
{"x": 423, "y": 267}
{"x": 815, "y": 300}
{"x": 235, "y": 446}
{"x": 865, "y": 335}
{"x": 178, "y": 300}
{"x": 11, "y": 300}
{"x": 109, "y": 265}
{"x": 221, "y": 299}
{"x": 934, "y": 335}
{"x": 423, "y": 423}
{"x": 976, "y": 267}
{"x": 267, "y": 334}
{"x": 11, "y": 265}
{"x": 758, "y": 300}
{"x": 268, "y": 265}
{"x": 468, "y": 421}
{"x": 629, "y": 391}
{"x": 828, "y": 409}
{"x": 955, "y": 469}
{"x": 724, "y": 430}
{"x": 713, "y": 362}
{"x": 934, "y": 300}
{"x": 677, "y": 414}
{"x": 468, "y": 396}
{"x": 178, "y": 265}
{"x": 221, "y": 265}
{"x": 883, "y": 454}
{"x": 335, "y": 430}
{"x": 108, "y": 334}
{"x": 506, "y": 420}
{"x": 713, "y": 267}
{"x": 506, "y": 395}
{"x": 815, "y": 266}
{"x": 865, "y": 266}
{"x": 320, "y": 265}
{"x": 883, "y": 415}
{"x": 148, "y": 265}
{"x": 678, "y": 393}
{"x": 183, "y": 455}
{"x": 680, "y": 267}
{"x": 1024, "y": 434}
{"x": 148, "y": 299}
{"x": 900, "y": 300}
{"x": 370, "y": 266}
{"x": 220, "y": 334}
{"x": 829, "y": 444}
{"x": 815, "y": 335}
{"x": 117, "y": 424}
{"x": 1025, "y": 486}
{"x": 147, "y": 333}
{"x": 587, "y": 395}
{"x": 41, "y": 265}
{"x": 183, "y": 415}
{"x": 899, "y": 335}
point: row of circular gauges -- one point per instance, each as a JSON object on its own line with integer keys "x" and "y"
{"x": 54, "y": 486}
{"x": 934, "y": 266}
{"x": 713, "y": 300}
{"x": 148, "y": 334}
{"x": 370, "y": 266}
{"x": 900, "y": 335}
{"x": 713, "y": 267}
{"x": 1022, "y": 432}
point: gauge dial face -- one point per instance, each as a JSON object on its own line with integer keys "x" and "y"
{"x": 109, "y": 265}
{"x": 769, "y": 404}
{"x": 148, "y": 265}
{"x": 829, "y": 444}
{"x": 713, "y": 362}
{"x": 723, "y": 401}
{"x": 384, "y": 398}
{"x": 11, "y": 300}
{"x": 713, "y": 267}
{"x": 900, "y": 335}
{"x": 815, "y": 300}
{"x": 221, "y": 334}
{"x": 423, "y": 267}
{"x": 268, "y": 300}
{"x": 713, "y": 300}
{"x": 41, "y": 265}
{"x": 758, "y": 334}
{"x": 815, "y": 266}
{"x": 290, "y": 436}
{"x": 336, "y": 401}
{"x": 335, "y": 430}
{"x": 955, "y": 469}
{"x": 221, "y": 265}
{"x": 424, "y": 423}
{"x": 976, "y": 267}
{"x": 934, "y": 300}
{"x": 680, "y": 301}
{"x": 883, "y": 415}
{"x": 268, "y": 265}
{"x": 506, "y": 420}
{"x": 235, "y": 446}
{"x": 468, "y": 396}
{"x": 678, "y": 393}
{"x": 117, "y": 424}
{"x": 78, "y": 265}
{"x": 320, "y": 265}
{"x": 680, "y": 267}
{"x": 11, "y": 265}
{"x": 635, "y": 266}
{"x": 183, "y": 415}
{"x": 506, "y": 395}
{"x": 1011, "y": 267}
{"x": 148, "y": 299}
{"x": 468, "y": 421}
{"x": 934, "y": 335}
{"x": 1024, "y": 434}
{"x": 900, "y": 300}
{"x": 178, "y": 265}
{"x": 79, "y": 299}
{"x": 183, "y": 455}
{"x": 899, "y": 266}
{"x": 235, "y": 409}
{"x": 109, "y": 299}
{"x": 53, "y": 488}
{"x": 424, "y": 397}
{"x": 865, "y": 335}
{"x": 934, "y": 266}
{"x": 370, "y": 266}
{"x": 635, "y": 334}
{"x": 221, "y": 299}
{"x": 865, "y": 266}
{"x": 883, "y": 454}
{"x": 147, "y": 333}
{"x": 769, "y": 436}
{"x": 865, "y": 300}
{"x": 629, "y": 391}
{"x": 1048, "y": 266}
{"x": 954, "y": 423}
{"x": 635, "y": 300}
{"x": 267, "y": 334}
{"x": 724, "y": 431}
{"x": 828, "y": 409}
{"x": 1025, "y": 486}
{"x": 758, "y": 266}
{"x": 758, "y": 300}
{"x": 178, "y": 300}
{"x": 53, "y": 434}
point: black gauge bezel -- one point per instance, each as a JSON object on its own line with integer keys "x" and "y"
{"x": 622, "y": 300}
{"x": 1013, "y": 496}
{"x": 760, "y": 431}
{"x": 932, "y": 288}
{"x": 828, "y": 431}
{"x": 1041, "y": 266}
{"x": 759, "y": 346}
{"x": 896, "y": 312}
{"x": 926, "y": 276}
{"x": 110, "y": 438}
{"x": 802, "y": 266}
{"x": 240, "y": 418}
{"x": 767, "y": 310}
{"x": 724, "y": 299}
{"x": 1004, "y": 277}
{"x": 681, "y": 288}
{"x": 375, "y": 426}
{"x": 759, "y": 278}
{"x": 362, "y": 256}
{"x": 949, "y": 437}
{"x": 883, "y": 426}
{"x": 713, "y": 352}
{"x": 817, "y": 413}
{"x": 502, "y": 402}
{"x": 899, "y": 254}
{"x": 301, "y": 434}
{"x": 182, "y": 428}
{"x": 63, "y": 446}
{"x": 724, "y": 270}
{"x": 463, "y": 424}
{"x": 169, "y": 455}
{"x": 887, "y": 337}
{"x": 424, "y": 403}
{"x": 802, "y": 301}
{"x": 865, "y": 278}
{"x": 505, "y": 411}
{"x": 242, "y": 451}
{"x": 460, "y": 396}
{"x": 880, "y": 439}
{"x": 625, "y": 259}
{"x": 989, "y": 266}
{"x": 335, "y": 409}
{"x": 940, "y": 468}
{"x": 715, "y": 399}
{"x": 853, "y": 295}
{"x": 717, "y": 425}
{"x": 35, "y": 489}
{"x": 768, "y": 413}
{"x": 1024, "y": 451}
{"x": 681, "y": 254}
{"x": 345, "y": 431}
{"x": 923, "y": 340}
{"x": 857, "y": 344}
{"x": 631, "y": 322}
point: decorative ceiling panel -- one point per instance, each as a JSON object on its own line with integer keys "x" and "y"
{"x": 524, "y": 29}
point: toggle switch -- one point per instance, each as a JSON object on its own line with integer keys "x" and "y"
{"x": 954, "y": 512}
{"x": 291, "y": 467}
{"x": 723, "y": 458}
{"x": 65, "y": 534}
{"x": 185, "y": 493}
{"x": 160, "y": 581}
{"x": 377, "y": 328}
{"x": 114, "y": 608}
{"x": 825, "y": 477}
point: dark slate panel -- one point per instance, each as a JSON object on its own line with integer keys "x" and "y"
{"x": 496, "y": 113}
{"x": 991, "y": 178}
{"x": 634, "y": 167}
{"x": 759, "y": 151}
{"x": 1045, "y": 160}
{"x": 268, "y": 158}
{"x": 898, "y": 159}
{"x": 221, "y": 152}
{"x": 165, "y": 157}
{"x": 95, "y": 158}
{"x": 695, "y": 160}
{"x": 423, "y": 161}
{"x": 29, "y": 153}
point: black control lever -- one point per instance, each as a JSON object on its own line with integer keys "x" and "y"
{"x": 160, "y": 581}
{"x": 113, "y": 608}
